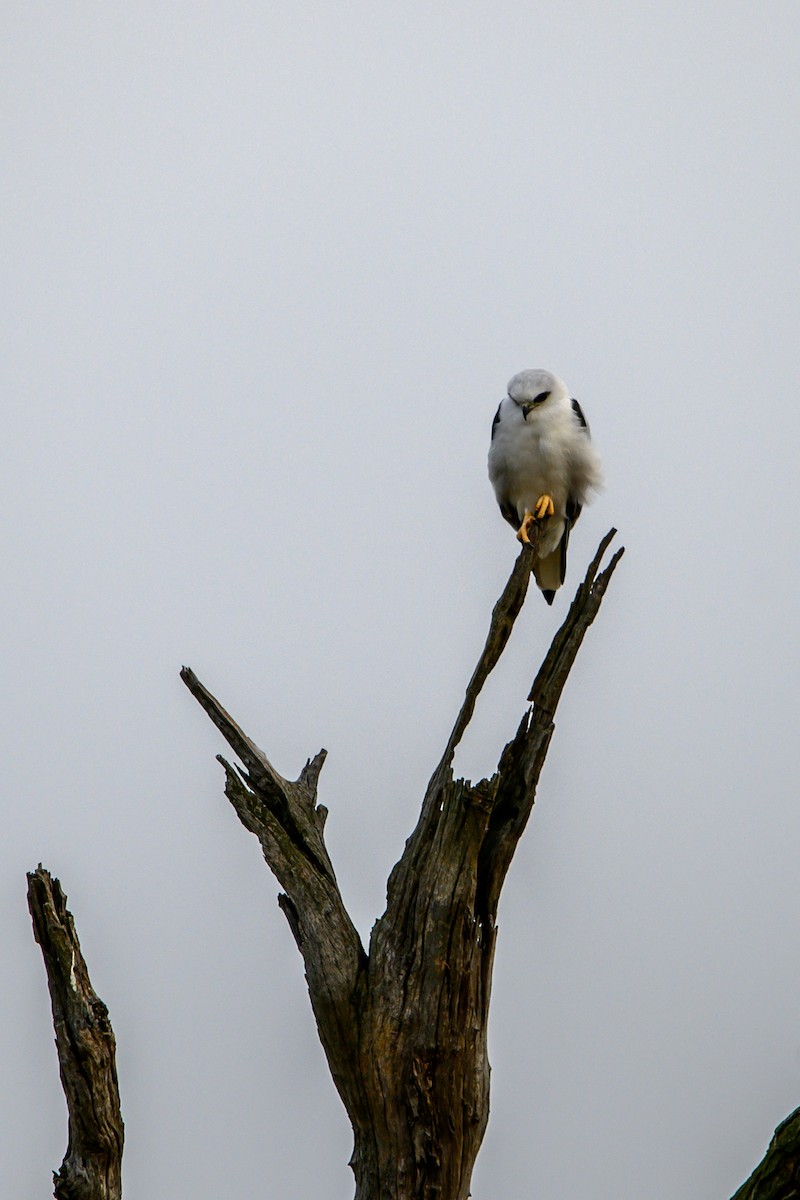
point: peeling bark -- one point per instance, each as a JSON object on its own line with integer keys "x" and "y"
{"x": 404, "y": 1027}
{"x": 92, "y": 1166}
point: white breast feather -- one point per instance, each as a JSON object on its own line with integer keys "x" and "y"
{"x": 549, "y": 453}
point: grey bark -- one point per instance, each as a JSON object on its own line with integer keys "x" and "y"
{"x": 92, "y": 1166}
{"x": 404, "y": 1026}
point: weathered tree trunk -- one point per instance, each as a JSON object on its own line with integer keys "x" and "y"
{"x": 404, "y": 1027}
{"x": 92, "y": 1166}
{"x": 86, "y": 1049}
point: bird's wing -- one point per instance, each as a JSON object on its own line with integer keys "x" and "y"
{"x": 507, "y": 510}
{"x": 573, "y": 512}
{"x": 573, "y": 505}
{"x": 576, "y": 408}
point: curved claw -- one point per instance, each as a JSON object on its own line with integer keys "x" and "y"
{"x": 522, "y": 532}
{"x": 542, "y": 509}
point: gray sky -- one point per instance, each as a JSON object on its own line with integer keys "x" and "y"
{"x": 268, "y": 271}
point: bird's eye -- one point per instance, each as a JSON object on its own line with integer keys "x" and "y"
{"x": 541, "y": 397}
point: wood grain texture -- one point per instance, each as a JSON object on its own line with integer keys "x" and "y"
{"x": 92, "y": 1166}
{"x": 404, "y": 1027}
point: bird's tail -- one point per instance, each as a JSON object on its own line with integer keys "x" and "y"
{"x": 549, "y": 573}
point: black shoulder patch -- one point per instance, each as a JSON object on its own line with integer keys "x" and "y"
{"x": 576, "y": 408}
{"x": 496, "y": 420}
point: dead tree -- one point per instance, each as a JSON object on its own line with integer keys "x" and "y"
{"x": 92, "y": 1166}
{"x": 404, "y": 1027}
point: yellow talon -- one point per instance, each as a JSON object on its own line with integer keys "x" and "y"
{"x": 543, "y": 507}
{"x": 522, "y": 532}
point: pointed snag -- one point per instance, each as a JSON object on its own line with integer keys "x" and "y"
{"x": 309, "y": 776}
{"x": 504, "y": 614}
{"x": 253, "y": 758}
{"x": 552, "y": 674}
{"x": 92, "y": 1166}
{"x": 289, "y": 825}
{"x": 522, "y": 760}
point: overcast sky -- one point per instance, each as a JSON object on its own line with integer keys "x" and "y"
{"x": 268, "y": 270}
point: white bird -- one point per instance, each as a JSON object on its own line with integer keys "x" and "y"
{"x": 543, "y": 467}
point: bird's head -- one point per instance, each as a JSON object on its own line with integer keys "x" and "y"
{"x": 534, "y": 388}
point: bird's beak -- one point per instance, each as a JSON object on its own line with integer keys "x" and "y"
{"x": 526, "y": 408}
